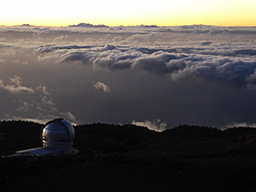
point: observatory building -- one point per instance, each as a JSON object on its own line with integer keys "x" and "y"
{"x": 57, "y": 136}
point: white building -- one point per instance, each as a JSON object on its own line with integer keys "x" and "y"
{"x": 57, "y": 136}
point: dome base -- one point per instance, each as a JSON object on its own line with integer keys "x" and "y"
{"x": 45, "y": 151}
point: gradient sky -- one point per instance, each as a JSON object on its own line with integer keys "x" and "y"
{"x": 133, "y": 12}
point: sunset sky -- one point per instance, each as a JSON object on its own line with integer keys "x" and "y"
{"x": 133, "y": 12}
{"x": 160, "y": 77}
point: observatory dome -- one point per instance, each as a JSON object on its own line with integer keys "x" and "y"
{"x": 58, "y": 133}
{"x": 57, "y": 136}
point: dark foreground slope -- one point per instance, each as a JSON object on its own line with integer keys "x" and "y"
{"x": 130, "y": 158}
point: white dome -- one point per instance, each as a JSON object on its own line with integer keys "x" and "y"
{"x": 58, "y": 133}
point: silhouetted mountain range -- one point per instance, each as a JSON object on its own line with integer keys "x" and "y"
{"x": 132, "y": 158}
{"x": 88, "y": 25}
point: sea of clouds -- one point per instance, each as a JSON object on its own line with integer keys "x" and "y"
{"x": 158, "y": 77}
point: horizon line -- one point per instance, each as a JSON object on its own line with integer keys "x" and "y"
{"x": 104, "y": 25}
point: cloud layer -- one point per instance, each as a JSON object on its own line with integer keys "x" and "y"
{"x": 198, "y": 74}
{"x": 234, "y": 65}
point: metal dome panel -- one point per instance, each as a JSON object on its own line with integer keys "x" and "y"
{"x": 58, "y": 132}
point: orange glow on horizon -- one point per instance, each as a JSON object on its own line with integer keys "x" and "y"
{"x": 116, "y": 13}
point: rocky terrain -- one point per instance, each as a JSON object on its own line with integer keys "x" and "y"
{"x": 131, "y": 158}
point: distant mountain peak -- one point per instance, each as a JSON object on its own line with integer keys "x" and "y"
{"x": 88, "y": 25}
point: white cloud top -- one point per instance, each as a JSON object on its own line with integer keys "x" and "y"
{"x": 104, "y": 87}
{"x": 16, "y": 87}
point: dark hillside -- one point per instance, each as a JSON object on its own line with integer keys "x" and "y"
{"x": 113, "y": 138}
{"x": 193, "y": 131}
{"x": 131, "y": 158}
{"x": 18, "y": 135}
